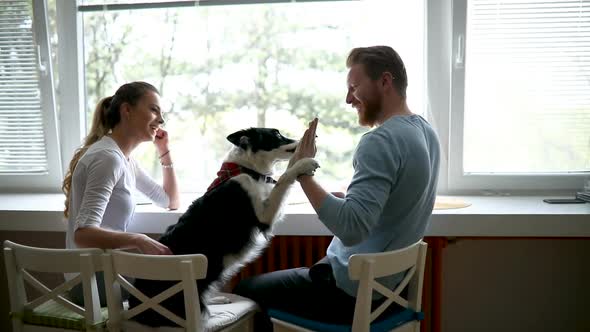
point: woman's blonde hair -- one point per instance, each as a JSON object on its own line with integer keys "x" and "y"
{"x": 106, "y": 117}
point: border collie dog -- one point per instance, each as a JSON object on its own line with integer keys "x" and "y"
{"x": 232, "y": 222}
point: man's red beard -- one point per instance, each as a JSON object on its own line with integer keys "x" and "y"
{"x": 369, "y": 112}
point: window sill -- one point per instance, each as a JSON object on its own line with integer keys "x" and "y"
{"x": 488, "y": 216}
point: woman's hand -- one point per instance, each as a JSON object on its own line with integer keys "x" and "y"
{"x": 161, "y": 141}
{"x": 149, "y": 246}
{"x": 96, "y": 237}
{"x": 306, "y": 147}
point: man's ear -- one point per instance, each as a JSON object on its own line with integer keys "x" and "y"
{"x": 387, "y": 79}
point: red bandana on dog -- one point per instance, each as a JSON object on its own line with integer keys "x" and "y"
{"x": 229, "y": 170}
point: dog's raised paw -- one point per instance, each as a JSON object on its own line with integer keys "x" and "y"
{"x": 306, "y": 166}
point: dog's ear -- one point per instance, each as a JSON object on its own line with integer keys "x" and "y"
{"x": 239, "y": 139}
{"x": 244, "y": 142}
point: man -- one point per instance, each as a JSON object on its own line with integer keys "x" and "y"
{"x": 387, "y": 205}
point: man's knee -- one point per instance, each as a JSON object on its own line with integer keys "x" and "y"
{"x": 244, "y": 287}
{"x": 267, "y": 288}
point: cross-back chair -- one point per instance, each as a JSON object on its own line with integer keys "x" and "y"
{"x": 367, "y": 268}
{"x": 52, "y": 310}
{"x": 186, "y": 269}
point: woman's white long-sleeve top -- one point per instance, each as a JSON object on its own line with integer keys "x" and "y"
{"x": 102, "y": 190}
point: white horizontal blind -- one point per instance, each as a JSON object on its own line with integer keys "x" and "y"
{"x": 527, "y": 87}
{"x": 22, "y": 138}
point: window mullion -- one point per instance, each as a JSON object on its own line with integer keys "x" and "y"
{"x": 71, "y": 84}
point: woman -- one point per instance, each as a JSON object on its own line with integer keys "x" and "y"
{"x": 102, "y": 176}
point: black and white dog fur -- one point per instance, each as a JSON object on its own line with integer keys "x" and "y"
{"x": 232, "y": 223}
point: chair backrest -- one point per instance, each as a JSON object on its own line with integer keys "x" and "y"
{"x": 21, "y": 260}
{"x": 368, "y": 267}
{"x": 186, "y": 269}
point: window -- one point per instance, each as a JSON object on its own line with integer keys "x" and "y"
{"x": 221, "y": 68}
{"x": 507, "y": 86}
{"x": 27, "y": 108}
{"x": 521, "y": 102}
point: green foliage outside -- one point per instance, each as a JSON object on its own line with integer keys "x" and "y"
{"x": 286, "y": 80}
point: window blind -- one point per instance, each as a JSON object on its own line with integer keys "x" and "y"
{"x": 527, "y": 86}
{"x": 22, "y": 136}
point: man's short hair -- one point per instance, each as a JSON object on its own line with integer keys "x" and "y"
{"x": 379, "y": 59}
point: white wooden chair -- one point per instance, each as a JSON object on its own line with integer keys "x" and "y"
{"x": 51, "y": 311}
{"x": 367, "y": 268}
{"x": 186, "y": 269}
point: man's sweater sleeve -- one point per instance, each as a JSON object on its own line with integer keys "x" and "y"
{"x": 376, "y": 163}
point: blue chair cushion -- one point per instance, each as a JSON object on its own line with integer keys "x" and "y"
{"x": 386, "y": 324}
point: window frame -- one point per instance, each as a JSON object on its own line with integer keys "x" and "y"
{"x": 75, "y": 122}
{"x": 71, "y": 104}
{"x": 51, "y": 180}
{"x": 458, "y": 182}
{"x": 445, "y": 75}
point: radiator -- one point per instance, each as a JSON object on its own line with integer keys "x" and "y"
{"x": 285, "y": 252}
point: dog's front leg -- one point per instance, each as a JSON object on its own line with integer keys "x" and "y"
{"x": 272, "y": 205}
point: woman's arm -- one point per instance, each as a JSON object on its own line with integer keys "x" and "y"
{"x": 169, "y": 176}
{"x": 96, "y": 237}
{"x": 169, "y": 181}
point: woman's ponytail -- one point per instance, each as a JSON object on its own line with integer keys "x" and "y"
{"x": 98, "y": 129}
